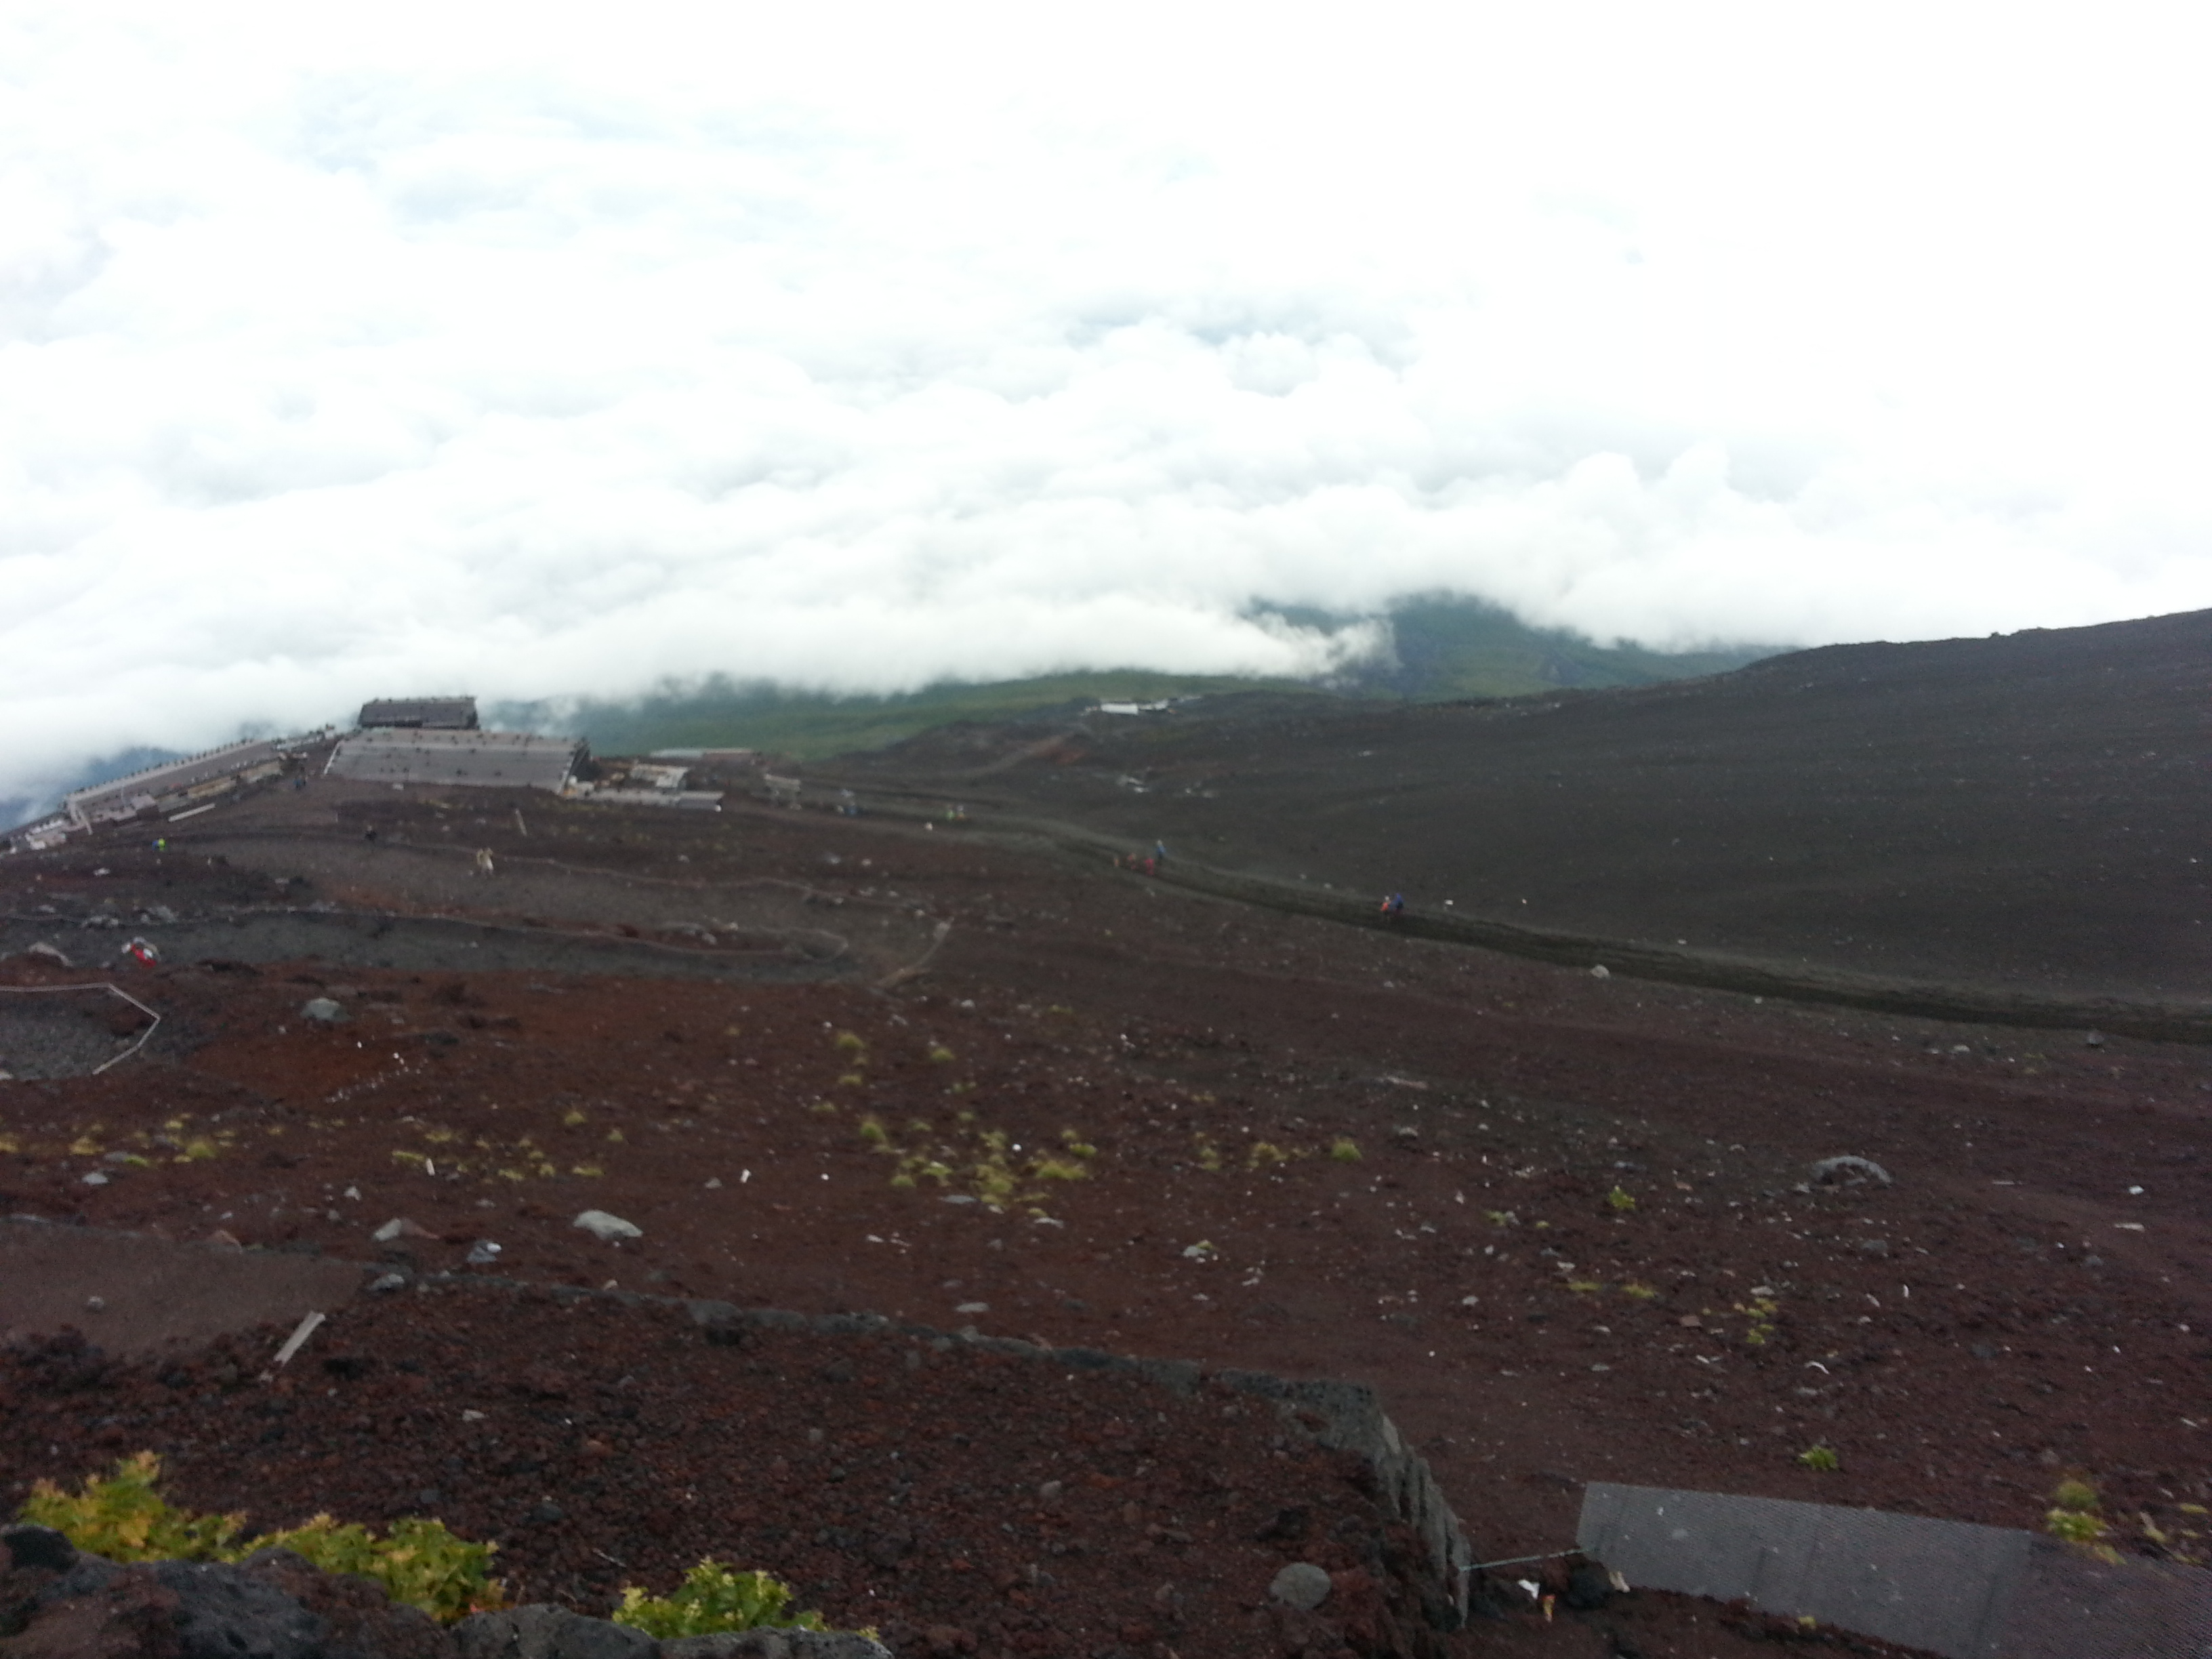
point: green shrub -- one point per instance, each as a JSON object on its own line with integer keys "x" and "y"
{"x": 2073, "y": 1516}
{"x": 2076, "y": 1495}
{"x": 418, "y": 1561}
{"x": 1822, "y": 1458}
{"x": 123, "y": 1518}
{"x": 1345, "y": 1150}
{"x": 2075, "y": 1526}
{"x": 712, "y": 1598}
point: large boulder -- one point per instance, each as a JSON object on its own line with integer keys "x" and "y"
{"x": 544, "y": 1631}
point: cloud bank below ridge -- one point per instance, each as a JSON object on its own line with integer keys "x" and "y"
{"x": 859, "y": 350}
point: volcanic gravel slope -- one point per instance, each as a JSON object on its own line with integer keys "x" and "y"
{"x": 920, "y": 1484}
{"x": 1579, "y": 1239}
{"x": 2026, "y": 812}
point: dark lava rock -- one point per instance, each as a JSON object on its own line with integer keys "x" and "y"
{"x": 273, "y": 1605}
{"x": 1589, "y": 1587}
{"x": 38, "y": 1546}
{"x": 543, "y": 1631}
{"x": 120, "y": 1616}
{"x": 361, "y": 1621}
{"x": 226, "y": 1612}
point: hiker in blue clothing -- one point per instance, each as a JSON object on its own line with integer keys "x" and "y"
{"x": 1394, "y": 907}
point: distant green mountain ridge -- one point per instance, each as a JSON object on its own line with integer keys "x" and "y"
{"x": 724, "y": 713}
{"x": 1445, "y": 649}
{"x": 1448, "y": 649}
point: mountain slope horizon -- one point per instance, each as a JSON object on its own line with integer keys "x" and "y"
{"x": 2022, "y": 812}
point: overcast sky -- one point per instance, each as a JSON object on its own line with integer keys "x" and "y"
{"x": 533, "y": 350}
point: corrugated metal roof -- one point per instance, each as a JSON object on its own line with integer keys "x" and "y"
{"x": 498, "y": 760}
{"x": 169, "y": 777}
{"x": 441, "y": 714}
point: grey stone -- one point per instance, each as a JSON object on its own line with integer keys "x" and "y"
{"x": 225, "y": 1613}
{"x": 725, "y": 1324}
{"x": 543, "y": 1631}
{"x": 775, "y": 1644}
{"x": 607, "y": 1228}
{"x": 385, "y": 1284}
{"x": 323, "y": 1011}
{"x": 1851, "y": 1169}
{"x": 1301, "y": 1585}
{"x": 87, "y": 1574}
{"x": 729, "y": 1644}
{"x": 834, "y": 1644}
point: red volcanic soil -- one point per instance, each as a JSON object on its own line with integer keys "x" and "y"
{"x": 1580, "y": 1238}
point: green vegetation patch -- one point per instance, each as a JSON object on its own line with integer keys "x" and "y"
{"x": 124, "y": 1517}
{"x": 714, "y": 1598}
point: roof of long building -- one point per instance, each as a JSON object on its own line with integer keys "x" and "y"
{"x": 442, "y": 713}
{"x": 172, "y": 775}
{"x": 509, "y": 760}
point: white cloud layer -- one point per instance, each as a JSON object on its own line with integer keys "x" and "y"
{"x": 536, "y": 352}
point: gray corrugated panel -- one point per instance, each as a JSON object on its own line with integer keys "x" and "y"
{"x": 511, "y": 760}
{"x": 2072, "y": 1606}
{"x": 1941, "y": 1585}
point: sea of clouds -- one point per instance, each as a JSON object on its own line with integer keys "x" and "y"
{"x": 534, "y": 352}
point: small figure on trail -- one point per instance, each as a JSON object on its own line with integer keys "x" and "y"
{"x": 1160, "y": 851}
{"x": 483, "y": 860}
{"x": 1151, "y": 867}
{"x": 1394, "y": 907}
